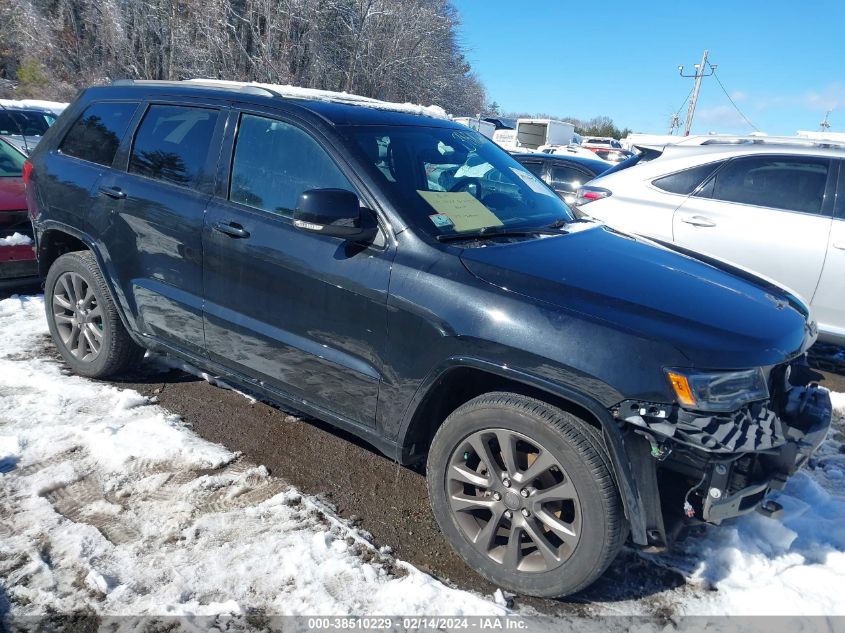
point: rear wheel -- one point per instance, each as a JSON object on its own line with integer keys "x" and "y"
{"x": 83, "y": 321}
{"x": 523, "y": 491}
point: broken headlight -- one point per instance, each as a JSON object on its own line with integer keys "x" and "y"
{"x": 717, "y": 391}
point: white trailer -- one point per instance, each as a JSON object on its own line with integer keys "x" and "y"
{"x": 530, "y": 134}
{"x": 485, "y": 127}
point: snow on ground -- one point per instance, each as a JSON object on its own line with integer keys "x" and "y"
{"x": 112, "y": 504}
{"x": 15, "y": 239}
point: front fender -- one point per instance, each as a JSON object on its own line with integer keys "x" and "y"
{"x": 614, "y": 440}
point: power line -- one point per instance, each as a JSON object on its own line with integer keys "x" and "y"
{"x": 736, "y": 107}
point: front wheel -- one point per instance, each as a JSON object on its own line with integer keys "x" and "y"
{"x": 83, "y": 321}
{"x": 524, "y": 493}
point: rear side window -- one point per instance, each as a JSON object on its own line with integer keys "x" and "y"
{"x": 172, "y": 143}
{"x": 11, "y": 161}
{"x": 534, "y": 168}
{"x": 792, "y": 183}
{"x": 687, "y": 181}
{"x": 274, "y": 162}
{"x": 568, "y": 178}
{"x": 97, "y": 133}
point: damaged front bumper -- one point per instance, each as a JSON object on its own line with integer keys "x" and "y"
{"x": 698, "y": 467}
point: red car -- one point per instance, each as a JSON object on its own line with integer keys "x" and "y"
{"x": 17, "y": 255}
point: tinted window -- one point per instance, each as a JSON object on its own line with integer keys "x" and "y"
{"x": 534, "y": 168}
{"x": 792, "y": 183}
{"x": 97, "y": 133}
{"x": 24, "y": 122}
{"x": 568, "y": 178}
{"x": 11, "y": 160}
{"x": 274, "y": 162}
{"x": 172, "y": 143}
{"x": 687, "y": 181}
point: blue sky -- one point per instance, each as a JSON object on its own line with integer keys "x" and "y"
{"x": 782, "y": 62}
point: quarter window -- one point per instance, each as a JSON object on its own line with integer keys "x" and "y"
{"x": 686, "y": 181}
{"x": 274, "y": 162}
{"x": 793, "y": 183}
{"x": 97, "y": 133}
{"x": 172, "y": 143}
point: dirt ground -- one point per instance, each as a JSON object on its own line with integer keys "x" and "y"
{"x": 385, "y": 499}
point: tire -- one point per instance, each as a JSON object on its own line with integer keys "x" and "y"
{"x": 559, "y": 538}
{"x": 101, "y": 347}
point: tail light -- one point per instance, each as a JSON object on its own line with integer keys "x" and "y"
{"x": 590, "y": 194}
{"x": 27, "y": 171}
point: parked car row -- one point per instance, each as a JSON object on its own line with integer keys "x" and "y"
{"x": 17, "y": 256}
{"x": 774, "y": 207}
{"x": 569, "y": 387}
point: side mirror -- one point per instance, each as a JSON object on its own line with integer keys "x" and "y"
{"x": 333, "y": 212}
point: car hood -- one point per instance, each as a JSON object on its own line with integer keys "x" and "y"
{"x": 717, "y": 316}
{"x": 12, "y": 196}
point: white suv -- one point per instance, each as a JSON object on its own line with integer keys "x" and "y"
{"x": 773, "y": 207}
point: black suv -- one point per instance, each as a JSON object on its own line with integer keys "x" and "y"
{"x": 402, "y": 277}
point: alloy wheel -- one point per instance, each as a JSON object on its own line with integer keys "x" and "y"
{"x": 78, "y": 316}
{"x": 513, "y": 501}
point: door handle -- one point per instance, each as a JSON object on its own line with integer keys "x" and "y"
{"x": 698, "y": 220}
{"x": 113, "y": 192}
{"x": 231, "y": 229}
{"x": 839, "y": 245}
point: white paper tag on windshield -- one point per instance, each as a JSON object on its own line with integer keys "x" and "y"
{"x": 536, "y": 185}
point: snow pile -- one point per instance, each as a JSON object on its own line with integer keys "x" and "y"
{"x": 16, "y": 239}
{"x": 56, "y": 107}
{"x": 109, "y": 504}
{"x": 295, "y": 92}
{"x": 758, "y": 566}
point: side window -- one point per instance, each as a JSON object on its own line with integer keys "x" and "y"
{"x": 97, "y": 133}
{"x": 534, "y": 168}
{"x": 686, "y": 181}
{"x": 568, "y": 178}
{"x": 172, "y": 143}
{"x": 274, "y": 162}
{"x": 793, "y": 183}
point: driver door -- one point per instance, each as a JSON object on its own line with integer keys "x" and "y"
{"x": 301, "y": 313}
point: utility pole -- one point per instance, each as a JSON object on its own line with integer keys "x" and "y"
{"x": 824, "y": 126}
{"x": 674, "y": 123}
{"x": 699, "y": 73}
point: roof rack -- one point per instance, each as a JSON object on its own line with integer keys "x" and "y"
{"x": 294, "y": 92}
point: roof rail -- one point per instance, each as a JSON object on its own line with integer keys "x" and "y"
{"x": 293, "y": 92}
{"x": 774, "y": 140}
{"x": 201, "y": 83}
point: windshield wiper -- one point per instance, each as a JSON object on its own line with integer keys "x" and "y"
{"x": 494, "y": 231}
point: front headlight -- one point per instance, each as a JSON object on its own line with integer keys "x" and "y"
{"x": 717, "y": 391}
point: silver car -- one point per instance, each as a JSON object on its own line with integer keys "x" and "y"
{"x": 776, "y": 208}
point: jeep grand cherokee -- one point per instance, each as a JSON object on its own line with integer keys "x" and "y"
{"x": 402, "y": 277}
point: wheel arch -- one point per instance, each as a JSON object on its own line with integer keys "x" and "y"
{"x": 55, "y": 239}
{"x": 460, "y": 379}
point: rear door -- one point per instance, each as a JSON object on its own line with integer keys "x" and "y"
{"x": 302, "y": 313}
{"x": 85, "y": 154}
{"x": 768, "y": 213}
{"x": 153, "y": 227}
{"x": 829, "y": 300}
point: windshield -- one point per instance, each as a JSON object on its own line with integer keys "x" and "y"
{"x": 25, "y": 122}
{"x": 454, "y": 181}
{"x": 11, "y": 161}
